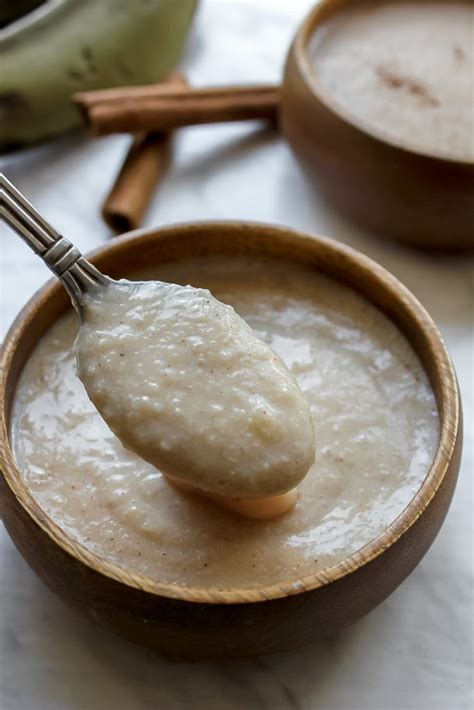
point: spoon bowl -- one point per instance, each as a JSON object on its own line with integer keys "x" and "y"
{"x": 180, "y": 378}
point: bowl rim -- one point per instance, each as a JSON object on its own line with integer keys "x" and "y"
{"x": 299, "y": 49}
{"x": 449, "y": 418}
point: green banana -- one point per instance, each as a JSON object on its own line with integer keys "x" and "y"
{"x": 74, "y": 45}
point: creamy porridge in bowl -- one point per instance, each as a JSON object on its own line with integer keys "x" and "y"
{"x": 379, "y": 407}
{"x": 404, "y": 70}
{"x": 376, "y": 103}
{"x": 371, "y": 404}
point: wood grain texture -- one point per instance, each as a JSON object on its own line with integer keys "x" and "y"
{"x": 200, "y": 623}
{"x": 386, "y": 187}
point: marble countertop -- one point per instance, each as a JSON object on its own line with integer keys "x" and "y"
{"x": 413, "y": 652}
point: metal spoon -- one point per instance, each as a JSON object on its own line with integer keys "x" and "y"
{"x": 173, "y": 424}
{"x": 77, "y": 275}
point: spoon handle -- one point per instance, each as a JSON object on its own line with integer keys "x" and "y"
{"x": 66, "y": 262}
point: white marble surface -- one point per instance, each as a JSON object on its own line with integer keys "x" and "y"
{"x": 413, "y": 652}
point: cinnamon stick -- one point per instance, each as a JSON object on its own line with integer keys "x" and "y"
{"x": 145, "y": 163}
{"x": 136, "y": 109}
{"x": 86, "y": 99}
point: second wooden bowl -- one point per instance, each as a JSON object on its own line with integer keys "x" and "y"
{"x": 206, "y": 622}
{"x": 385, "y": 186}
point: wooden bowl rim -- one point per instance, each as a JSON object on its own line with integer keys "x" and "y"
{"x": 449, "y": 421}
{"x": 299, "y": 49}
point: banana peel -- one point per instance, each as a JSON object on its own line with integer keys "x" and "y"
{"x": 66, "y": 46}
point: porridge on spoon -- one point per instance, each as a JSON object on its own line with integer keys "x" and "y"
{"x": 185, "y": 383}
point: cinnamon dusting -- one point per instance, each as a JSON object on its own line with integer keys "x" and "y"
{"x": 416, "y": 88}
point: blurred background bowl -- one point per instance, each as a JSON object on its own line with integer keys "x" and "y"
{"x": 394, "y": 191}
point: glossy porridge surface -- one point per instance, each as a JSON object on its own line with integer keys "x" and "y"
{"x": 373, "y": 410}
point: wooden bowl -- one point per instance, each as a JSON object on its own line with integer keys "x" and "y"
{"x": 385, "y": 186}
{"x": 197, "y": 623}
